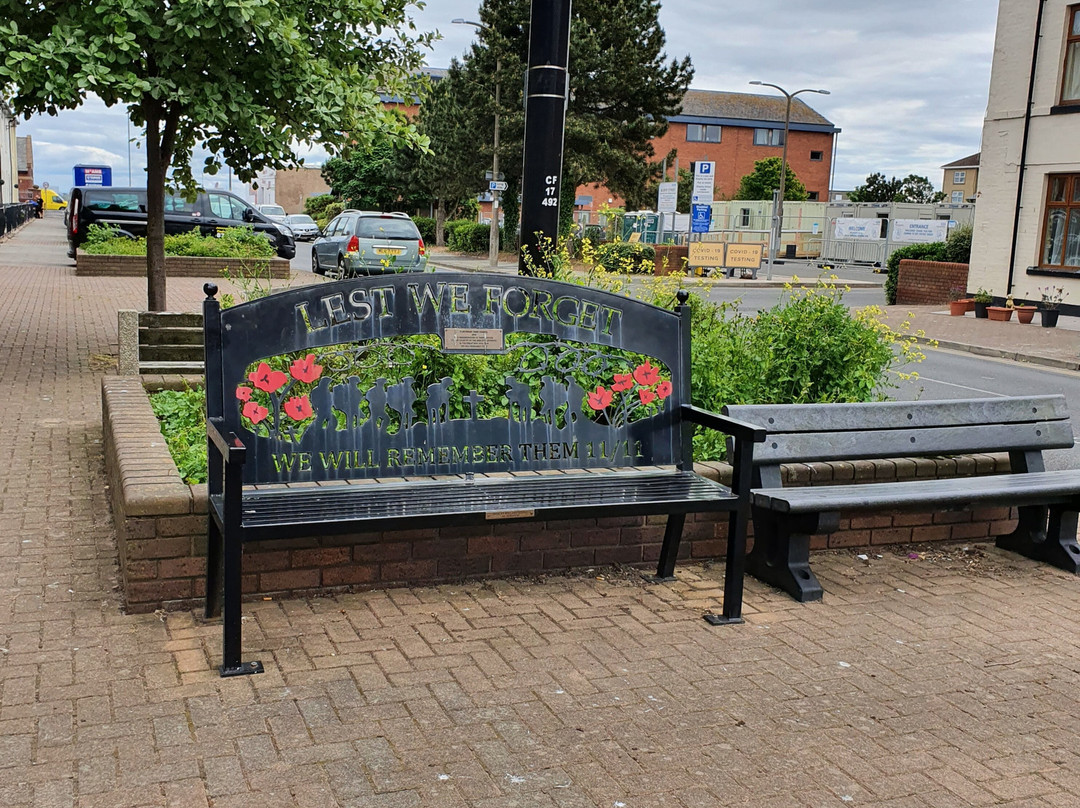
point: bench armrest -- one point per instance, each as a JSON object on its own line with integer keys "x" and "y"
{"x": 231, "y": 447}
{"x": 730, "y": 426}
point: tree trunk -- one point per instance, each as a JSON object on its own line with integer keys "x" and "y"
{"x": 155, "y": 217}
{"x": 440, "y": 223}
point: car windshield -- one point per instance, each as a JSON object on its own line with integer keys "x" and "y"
{"x": 387, "y": 227}
{"x": 272, "y": 210}
{"x": 300, "y": 218}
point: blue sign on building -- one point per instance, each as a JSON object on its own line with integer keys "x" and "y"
{"x": 700, "y": 218}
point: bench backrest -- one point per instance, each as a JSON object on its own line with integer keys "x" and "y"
{"x": 802, "y": 433}
{"x": 354, "y": 379}
{"x": 159, "y": 342}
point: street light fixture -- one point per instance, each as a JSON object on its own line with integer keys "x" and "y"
{"x": 783, "y": 158}
{"x": 493, "y": 238}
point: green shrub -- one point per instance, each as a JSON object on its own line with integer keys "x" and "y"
{"x": 934, "y": 251}
{"x": 470, "y": 238}
{"x": 182, "y": 415}
{"x": 453, "y": 224}
{"x": 625, "y": 258}
{"x": 958, "y": 244}
{"x": 315, "y": 206}
{"x": 234, "y": 242}
{"x": 426, "y": 226}
{"x": 328, "y": 213}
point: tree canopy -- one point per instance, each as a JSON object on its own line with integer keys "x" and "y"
{"x": 765, "y": 179}
{"x": 245, "y": 79}
{"x": 913, "y": 188}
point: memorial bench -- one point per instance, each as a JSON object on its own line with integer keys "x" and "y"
{"x": 335, "y": 409}
{"x": 786, "y": 518}
{"x": 159, "y": 343}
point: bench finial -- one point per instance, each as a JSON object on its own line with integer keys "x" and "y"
{"x": 210, "y": 289}
{"x": 682, "y": 296}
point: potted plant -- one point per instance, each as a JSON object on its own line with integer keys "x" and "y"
{"x": 982, "y": 299}
{"x": 1025, "y": 312}
{"x": 1051, "y": 299}
{"x": 958, "y": 302}
{"x": 1000, "y": 313}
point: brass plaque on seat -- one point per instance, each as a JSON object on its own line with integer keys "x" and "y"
{"x": 473, "y": 339}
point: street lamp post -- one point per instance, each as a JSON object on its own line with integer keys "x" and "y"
{"x": 493, "y": 238}
{"x": 783, "y": 158}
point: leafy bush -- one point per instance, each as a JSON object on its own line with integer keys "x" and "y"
{"x": 426, "y": 226}
{"x": 315, "y": 206}
{"x": 958, "y": 244}
{"x": 470, "y": 238}
{"x": 182, "y": 414}
{"x": 625, "y": 258}
{"x": 934, "y": 251}
{"x": 234, "y": 242}
{"x": 450, "y": 227}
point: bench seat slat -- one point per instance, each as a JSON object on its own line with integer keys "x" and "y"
{"x": 806, "y": 447}
{"x": 442, "y": 499}
{"x": 1001, "y": 489}
{"x": 900, "y": 414}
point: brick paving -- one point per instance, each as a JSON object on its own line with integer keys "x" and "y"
{"x": 947, "y": 679}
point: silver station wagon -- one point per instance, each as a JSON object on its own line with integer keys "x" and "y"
{"x": 360, "y": 242}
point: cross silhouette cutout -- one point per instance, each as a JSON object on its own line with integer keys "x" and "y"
{"x": 472, "y": 400}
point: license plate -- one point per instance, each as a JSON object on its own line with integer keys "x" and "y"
{"x": 388, "y": 251}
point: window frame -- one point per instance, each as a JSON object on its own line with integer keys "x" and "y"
{"x": 1072, "y": 21}
{"x": 820, "y": 156}
{"x": 959, "y": 177}
{"x": 703, "y": 130}
{"x": 956, "y": 198}
{"x": 773, "y": 132}
{"x": 1070, "y": 205}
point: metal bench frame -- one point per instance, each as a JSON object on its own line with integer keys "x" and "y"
{"x": 624, "y": 467}
{"x": 786, "y": 518}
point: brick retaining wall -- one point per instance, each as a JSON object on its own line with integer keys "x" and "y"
{"x": 161, "y": 526}
{"x": 927, "y": 283}
{"x": 176, "y": 266}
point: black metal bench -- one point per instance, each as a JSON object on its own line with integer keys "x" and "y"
{"x": 330, "y": 385}
{"x": 786, "y": 518}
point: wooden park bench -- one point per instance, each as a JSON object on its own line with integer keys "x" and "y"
{"x": 587, "y": 414}
{"x": 786, "y": 518}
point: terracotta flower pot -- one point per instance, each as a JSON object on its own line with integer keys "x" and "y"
{"x": 958, "y": 308}
{"x": 1025, "y": 314}
{"x": 1000, "y": 313}
{"x": 969, "y": 302}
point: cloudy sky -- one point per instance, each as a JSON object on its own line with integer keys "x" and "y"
{"x": 908, "y": 81}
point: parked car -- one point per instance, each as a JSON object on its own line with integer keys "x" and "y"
{"x": 303, "y": 226}
{"x": 275, "y": 213}
{"x": 125, "y": 210}
{"x": 358, "y": 242}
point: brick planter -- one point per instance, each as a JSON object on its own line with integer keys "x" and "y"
{"x": 670, "y": 258}
{"x": 161, "y": 526}
{"x": 176, "y": 266}
{"x": 928, "y": 283}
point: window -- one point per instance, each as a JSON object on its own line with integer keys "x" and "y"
{"x": 1070, "y": 81}
{"x": 812, "y": 196}
{"x": 957, "y": 197}
{"x": 768, "y": 137}
{"x": 226, "y": 207}
{"x": 744, "y": 217}
{"x": 1061, "y": 228}
{"x": 702, "y": 133}
{"x": 177, "y": 204}
{"x": 959, "y": 177}
{"x": 816, "y": 156}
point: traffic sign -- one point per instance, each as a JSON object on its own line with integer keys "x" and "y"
{"x": 667, "y": 197}
{"x": 496, "y": 186}
{"x": 704, "y": 173}
{"x": 700, "y": 218}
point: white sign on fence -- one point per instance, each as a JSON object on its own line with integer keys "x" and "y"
{"x": 667, "y": 199}
{"x": 857, "y": 228}
{"x": 920, "y": 231}
{"x": 704, "y": 173}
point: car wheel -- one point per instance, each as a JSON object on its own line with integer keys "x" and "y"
{"x": 338, "y": 272}
{"x": 315, "y": 263}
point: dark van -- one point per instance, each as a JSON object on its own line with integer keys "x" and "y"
{"x": 125, "y": 210}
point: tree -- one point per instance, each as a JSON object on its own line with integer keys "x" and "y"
{"x": 766, "y": 178}
{"x": 375, "y": 177}
{"x": 913, "y": 188}
{"x": 623, "y": 90}
{"x": 244, "y": 79}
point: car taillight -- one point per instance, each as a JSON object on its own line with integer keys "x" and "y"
{"x": 353, "y": 245}
{"x": 422, "y": 252}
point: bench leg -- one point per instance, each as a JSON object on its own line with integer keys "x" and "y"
{"x": 669, "y": 551}
{"x": 233, "y": 618}
{"x": 213, "y": 568}
{"x": 1046, "y": 534}
{"x": 781, "y": 554}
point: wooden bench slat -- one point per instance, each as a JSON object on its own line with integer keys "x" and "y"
{"x": 899, "y": 414}
{"x": 805, "y": 447}
{"x": 1013, "y": 489}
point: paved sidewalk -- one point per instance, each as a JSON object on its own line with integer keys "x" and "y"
{"x": 943, "y": 679}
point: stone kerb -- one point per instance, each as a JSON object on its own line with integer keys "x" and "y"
{"x": 161, "y": 525}
{"x": 177, "y": 266}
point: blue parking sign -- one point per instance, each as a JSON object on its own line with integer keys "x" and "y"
{"x": 700, "y": 218}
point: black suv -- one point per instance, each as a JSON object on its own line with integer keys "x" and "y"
{"x": 125, "y": 210}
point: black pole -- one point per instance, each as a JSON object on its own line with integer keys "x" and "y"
{"x": 546, "y": 87}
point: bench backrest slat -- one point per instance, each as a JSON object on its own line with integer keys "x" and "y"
{"x": 349, "y": 411}
{"x": 826, "y": 432}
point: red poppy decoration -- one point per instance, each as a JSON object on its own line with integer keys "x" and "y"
{"x": 647, "y": 396}
{"x": 600, "y": 398}
{"x": 305, "y": 370}
{"x": 623, "y": 382}
{"x": 243, "y": 393}
{"x": 254, "y": 413}
{"x": 646, "y": 375}
{"x": 298, "y": 408}
{"x": 267, "y": 379}
{"x": 663, "y": 390}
